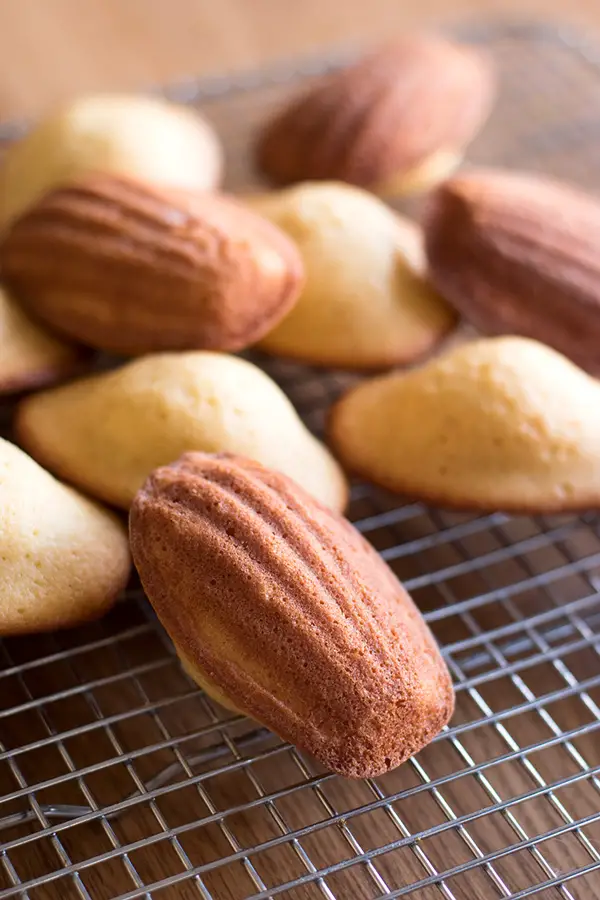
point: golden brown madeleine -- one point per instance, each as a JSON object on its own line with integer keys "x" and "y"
{"x": 497, "y": 424}
{"x": 397, "y": 121}
{"x": 107, "y": 432}
{"x": 520, "y": 254}
{"x": 122, "y": 134}
{"x": 126, "y": 267}
{"x": 366, "y": 303}
{"x": 64, "y": 559}
{"x": 285, "y": 610}
{"x": 31, "y": 357}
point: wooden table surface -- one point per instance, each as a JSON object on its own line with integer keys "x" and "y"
{"x": 51, "y": 48}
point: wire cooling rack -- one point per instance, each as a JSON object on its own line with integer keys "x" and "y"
{"x": 120, "y": 778}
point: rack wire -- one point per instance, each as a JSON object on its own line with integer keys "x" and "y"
{"x": 120, "y": 779}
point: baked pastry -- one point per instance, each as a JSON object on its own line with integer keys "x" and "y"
{"x": 126, "y": 267}
{"x": 107, "y": 432}
{"x": 281, "y": 608}
{"x": 29, "y": 356}
{"x": 64, "y": 559}
{"x": 497, "y": 424}
{"x": 396, "y": 122}
{"x": 144, "y": 137}
{"x": 365, "y": 303}
{"x": 520, "y": 254}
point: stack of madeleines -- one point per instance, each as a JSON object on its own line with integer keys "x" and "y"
{"x": 115, "y": 238}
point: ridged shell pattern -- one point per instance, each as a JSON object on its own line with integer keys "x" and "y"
{"x": 520, "y": 254}
{"x": 383, "y": 116}
{"x": 291, "y": 615}
{"x": 130, "y": 268}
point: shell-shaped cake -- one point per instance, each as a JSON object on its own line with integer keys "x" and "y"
{"x": 520, "y": 254}
{"x": 125, "y": 266}
{"x": 366, "y": 303}
{"x": 105, "y": 433}
{"x": 279, "y": 608}
{"x": 126, "y": 134}
{"x": 397, "y": 121}
{"x": 31, "y": 357}
{"x": 64, "y": 558}
{"x": 499, "y": 423}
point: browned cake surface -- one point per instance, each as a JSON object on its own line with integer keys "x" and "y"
{"x": 520, "y": 254}
{"x": 383, "y": 116}
{"x": 286, "y": 609}
{"x": 130, "y": 268}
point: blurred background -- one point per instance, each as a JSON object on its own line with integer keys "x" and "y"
{"x": 50, "y": 49}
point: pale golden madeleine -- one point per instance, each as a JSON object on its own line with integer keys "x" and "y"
{"x": 500, "y": 423}
{"x": 366, "y": 303}
{"x": 30, "y": 357}
{"x": 107, "y": 432}
{"x": 279, "y": 608}
{"x": 144, "y": 137}
{"x": 64, "y": 559}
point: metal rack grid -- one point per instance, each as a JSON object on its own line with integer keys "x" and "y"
{"x": 120, "y": 778}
